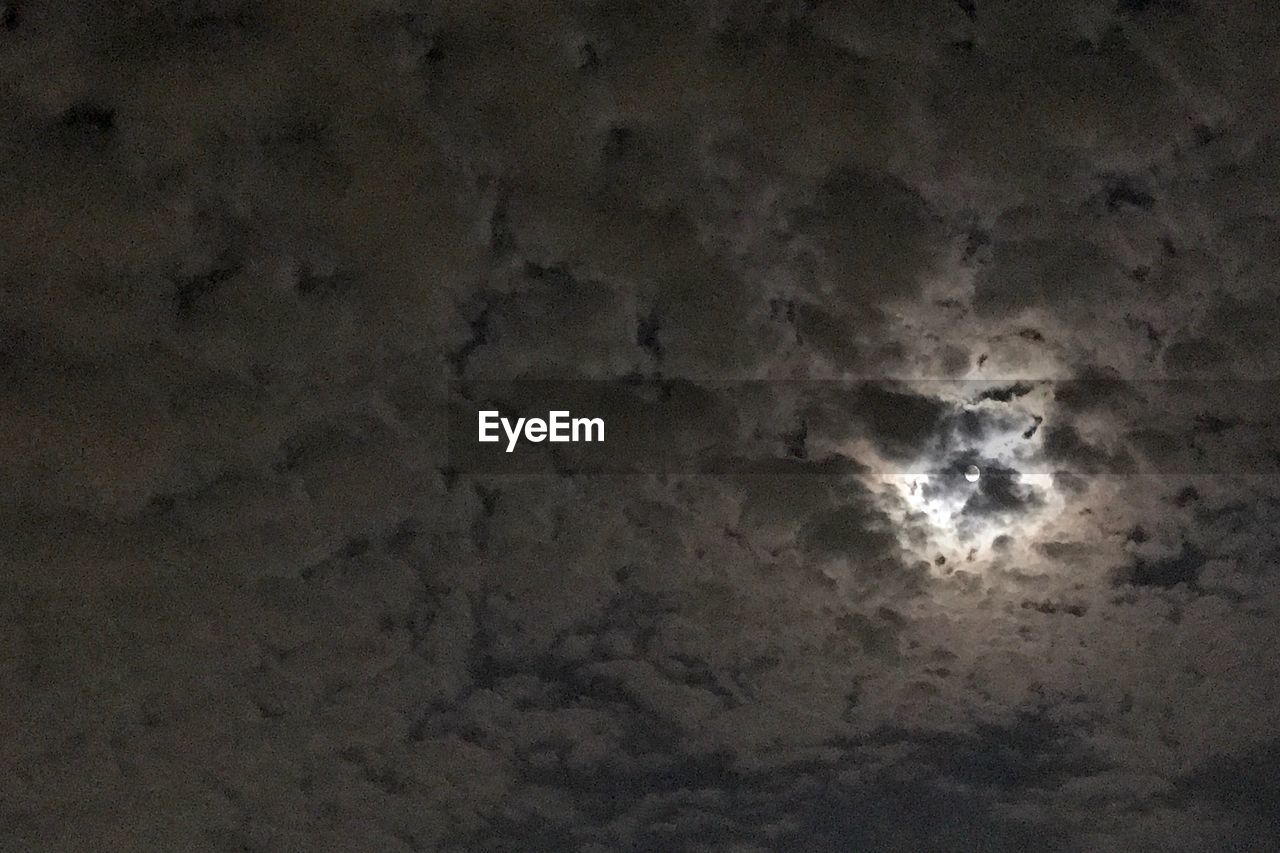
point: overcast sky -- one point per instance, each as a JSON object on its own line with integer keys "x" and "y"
{"x": 248, "y": 604}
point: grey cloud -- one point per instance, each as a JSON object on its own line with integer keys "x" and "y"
{"x": 250, "y": 605}
{"x": 1241, "y": 782}
{"x": 1167, "y": 572}
{"x": 1000, "y": 492}
{"x": 1056, "y": 272}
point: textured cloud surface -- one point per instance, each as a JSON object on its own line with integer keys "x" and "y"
{"x": 245, "y": 247}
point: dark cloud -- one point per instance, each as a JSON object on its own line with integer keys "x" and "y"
{"x": 1167, "y": 572}
{"x": 252, "y": 602}
{"x": 1000, "y": 492}
{"x": 1064, "y": 446}
{"x": 1006, "y": 393}
{"x": 902, "y": 424}
{"x": 1243, "y": 783}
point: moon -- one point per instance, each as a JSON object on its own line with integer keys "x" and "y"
{"x": 972, "y": 473}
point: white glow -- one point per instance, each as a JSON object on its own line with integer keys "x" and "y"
{"x": 932, "y": 510}
{"x": 934, "y": 524}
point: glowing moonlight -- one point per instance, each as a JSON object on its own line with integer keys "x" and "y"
{"x": 972, "y": 473}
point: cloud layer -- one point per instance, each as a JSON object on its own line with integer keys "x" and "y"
{"x": 246, "y": 246}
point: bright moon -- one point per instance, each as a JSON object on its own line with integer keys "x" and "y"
{"x": 972, "y": 473}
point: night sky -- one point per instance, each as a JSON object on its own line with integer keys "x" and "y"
{"x": 252, "y": 599}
